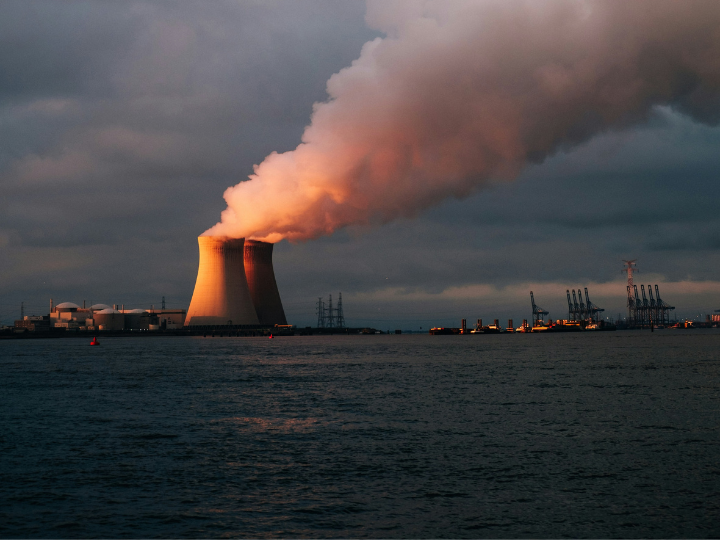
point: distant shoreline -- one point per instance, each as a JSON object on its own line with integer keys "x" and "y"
{"x": 186, "y": 332}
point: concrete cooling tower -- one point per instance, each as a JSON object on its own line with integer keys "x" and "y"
{"x": 221, "y": 295}
{"x": 261, "y": 280}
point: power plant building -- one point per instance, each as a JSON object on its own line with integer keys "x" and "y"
{"x": 261, "y": 282}
{"x": 235, "y": 284}
{"x": 109, "y": 319}
{"x": 169, "y": 319}
{"x": 70, "y": 315}
{"x": 102, "y": 317}
{"x": 221, "y": 296}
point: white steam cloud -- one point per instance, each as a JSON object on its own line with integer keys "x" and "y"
{"x": 462, "y": 92}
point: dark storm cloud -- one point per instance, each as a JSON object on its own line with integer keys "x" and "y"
{"x": 55, "y": 49}
{"x": 130, "y": 99}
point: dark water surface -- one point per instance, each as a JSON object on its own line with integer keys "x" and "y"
{"x": 602, "y": 435}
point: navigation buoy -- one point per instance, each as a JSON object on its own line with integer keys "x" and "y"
{"x": 271, "y": 336}
{"x": 95, "y": 341}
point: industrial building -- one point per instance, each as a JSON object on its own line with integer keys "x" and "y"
{"x": 169, "y": 319}
{"x": 235, "y": 285}
{"x": 101, "y": 317}
{"x": 33, "y": 323}
{"x": 70, "y": 315}
{"x": 261, "y": 282}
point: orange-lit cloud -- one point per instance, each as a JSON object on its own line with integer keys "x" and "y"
{"x": 461, "y": 93}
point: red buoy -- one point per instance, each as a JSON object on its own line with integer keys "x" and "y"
{"x": 271, "y": 336}
{"x": 95, "y": 341}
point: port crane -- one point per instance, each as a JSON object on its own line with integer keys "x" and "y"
{"x": 592, "y": 310}
{"x": 638, "y": 316}
{"x": 583, "y": 309}
{"x": 653, "y": 306}
{"x": 538, "y": 312}
{"x": 579, "y": 315}
{"x": 579, "y": 311}
{"x": 629, "y": 268}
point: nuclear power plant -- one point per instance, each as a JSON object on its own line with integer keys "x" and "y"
{"x": 235, "y": 284}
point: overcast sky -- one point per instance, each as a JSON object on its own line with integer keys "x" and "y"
{"x": 122, "y": 124}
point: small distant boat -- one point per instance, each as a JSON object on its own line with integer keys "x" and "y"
{"x": 95, "y": 341}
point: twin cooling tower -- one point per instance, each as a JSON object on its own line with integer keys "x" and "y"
{"x": 235, "y": 284}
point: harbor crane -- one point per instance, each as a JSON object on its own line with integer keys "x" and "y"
{"x": 583, "y": 308}
{"x": 538, "y": 312}
{"x": 578, "y": 312}
{"x": 629, "y": 268}
{"x": 593, "y": 311}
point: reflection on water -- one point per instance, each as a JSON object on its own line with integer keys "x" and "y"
{"x": 284, "y": 425}
{"x": 366, "y": 436}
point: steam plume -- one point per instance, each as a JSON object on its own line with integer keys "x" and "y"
{"x": 462, "y": 92}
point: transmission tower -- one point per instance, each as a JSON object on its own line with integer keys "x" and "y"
{"x": 330, "y": 323}
{"x": 163, "y": 302}
{"x": 321, "y": 313}
{"x": 340, "y": 319}
{"x": 630, "y": 267}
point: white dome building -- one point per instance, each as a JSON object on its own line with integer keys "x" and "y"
{"x": 66, "y": 307}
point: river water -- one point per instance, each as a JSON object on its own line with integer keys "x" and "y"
{"x": 585, "y": 435}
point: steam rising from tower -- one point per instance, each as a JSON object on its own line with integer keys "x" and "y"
{"x": 460, "y": 93}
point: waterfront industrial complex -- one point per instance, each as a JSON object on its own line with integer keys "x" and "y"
{"x": 236, "y": 294}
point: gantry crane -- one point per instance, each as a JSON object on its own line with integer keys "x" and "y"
{"x": 538, "y": 312}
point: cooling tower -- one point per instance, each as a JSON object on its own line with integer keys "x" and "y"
{"x": 261, "y": 280}
{"x": 221, "y": 295}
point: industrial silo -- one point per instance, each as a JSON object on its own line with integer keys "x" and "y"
{"x": 109, "y": 319}
{"x": 221, "y": 295}
{"x": 137, "y": 319}
{"x": 261, "y": 281}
